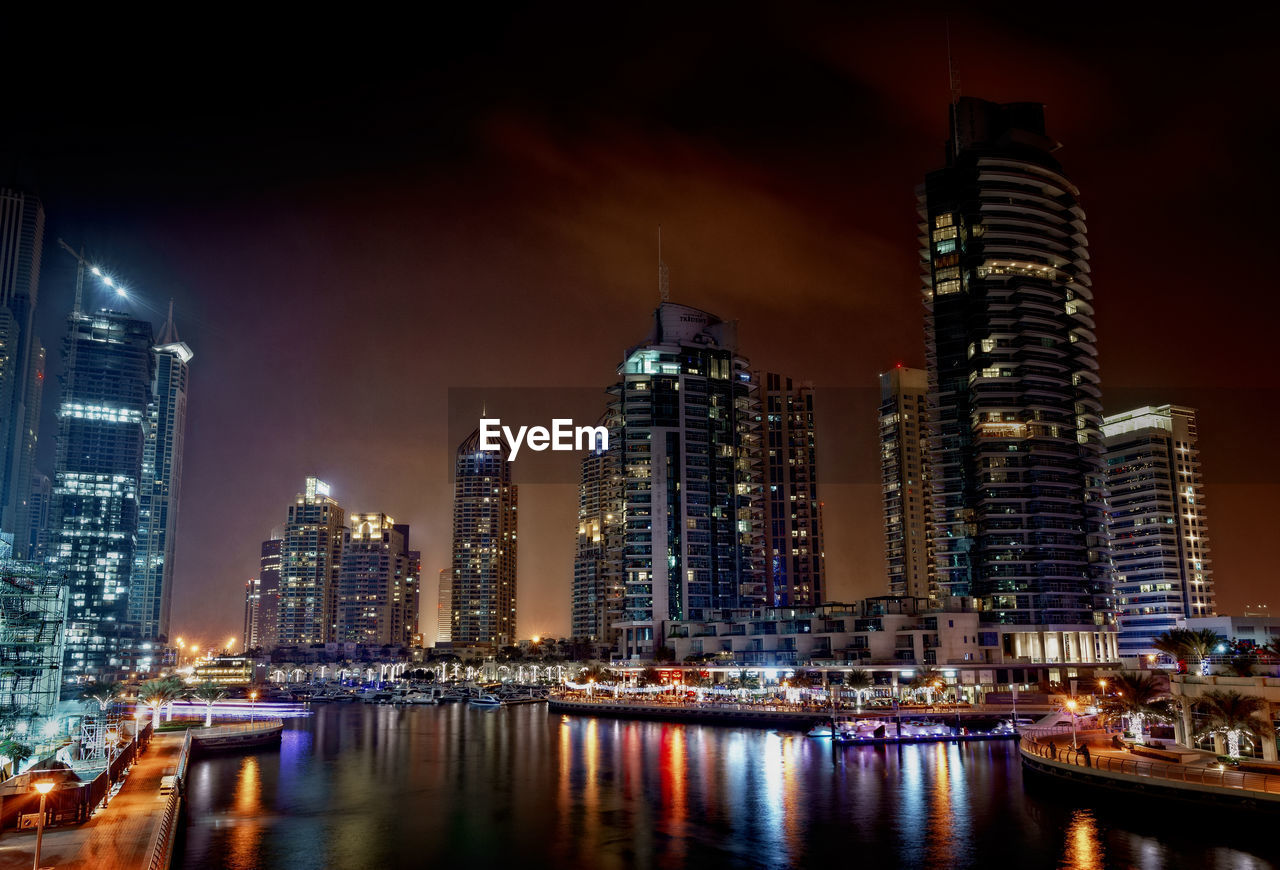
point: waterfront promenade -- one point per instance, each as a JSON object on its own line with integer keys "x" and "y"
{"x": 116, "y": 838}
{"x": 1198, "y": 777}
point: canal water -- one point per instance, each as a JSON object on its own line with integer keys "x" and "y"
{"x": 364, "y": 786}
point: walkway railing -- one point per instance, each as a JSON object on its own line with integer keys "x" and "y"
{"x": 238, "y": 728}
{"x": 162, "y": 842}
{"x": 1191, "y": 774}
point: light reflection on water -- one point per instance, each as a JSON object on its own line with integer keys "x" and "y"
{"x": 362, "y": 786}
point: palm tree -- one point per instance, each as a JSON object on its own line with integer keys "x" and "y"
{"x": 860, "y": 682}
{"x": 927, "y": 679}
{"x": 157, "y": 693}
{"x": 1234, "y": 714}
{"x": 103, "y": 694}
{"x": 1187, "y": 647}
{"x": 1240, "y": 666}
{"x": 649, "y": 677}
{"x": 15, "y": 751}
{"x": 210, "y": 694}
{"x": 1135, "y": 694}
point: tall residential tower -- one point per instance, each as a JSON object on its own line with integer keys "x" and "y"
{"x": 597, "y": 561}
{"x": 21, "y": 358}
{"x": 1015, "y": 440}
{"x": 310, "y": 561}
{"x": 1159, "y": 523}
{"x": 693, "y": 536}
{"x": 484, "y": 547}
{"x": 904, "y": 446}
{"x": 795, "y": 562}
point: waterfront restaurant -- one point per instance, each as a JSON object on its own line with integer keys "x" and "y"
{"x": 892, "y": 638}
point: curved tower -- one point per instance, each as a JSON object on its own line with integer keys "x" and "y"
{"x": 1015, "y": 442}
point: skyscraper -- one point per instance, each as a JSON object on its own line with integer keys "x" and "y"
{"x": 152, "y": 587}
{"x": 102, "y": 426}
{"x": 310, "y": 561}
{"x": 484, "y": 547}
{"x": 21, "y": 356}
{"x": 904, "y": 446}
{"x": 262, "y": 600}
{"x": 692, "y": 539}
{"x": 377, "y": 586}
{"x": 795, "y": 562}
{"x": 444, "y": 607}
{"x": 1159, "y": 523}
{"x": 597, "y": 562}
{"x": 38, "y": 505}
{"x": 1015, "y": 439}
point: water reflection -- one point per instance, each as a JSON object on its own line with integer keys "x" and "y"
{"x": 362, "y": 786}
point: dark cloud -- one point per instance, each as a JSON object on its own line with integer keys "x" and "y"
{"x": 352, "y": 226}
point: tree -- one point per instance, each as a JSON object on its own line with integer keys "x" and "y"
{"x": 1240, "y": 666}
{"x": 1188, "y": 647}
{"x": 928, "y": 680}
{"x": 103, "y": 694}
{"x": 649, "y": 677}
{"x": 16, "y": 751}
{"x": 1234, "y": 715}
{"x": 664, "y": 654}
{"x": 209, "y": 694}
{"x": 157, "y": 693}
{"x": 860, "y": 682}
{"x": 1136, "y": 694}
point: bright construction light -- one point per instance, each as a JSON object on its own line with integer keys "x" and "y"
{"x": 120, "y": 291}
{"x": 95, "y": 270}
{"x": 107, "y": 280}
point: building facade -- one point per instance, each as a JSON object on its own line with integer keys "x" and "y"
{"x": 102, "y": 433}
{"x": 152, "y": 589}
{"x": 1159, "y": 523}
{"x": 262, "y": 600}
{"x": 1015, "y": 442}
{"x": 904, "y": 447}
{"x": 310, "y": 562}
{"x": 444, "y": 607}
{"x": 693, "y": 523}
{"x": 377, "y": 588}
{"x": 483, "y": 607}
{"x": 893, "y": 637}
{"x": 794, "y": 557}
{"x": 33, "y": 615}
{"x": 597, "y": 563}
{"x": 21, "y": 358}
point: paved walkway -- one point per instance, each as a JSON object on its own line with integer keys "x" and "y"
{"x": 115, "y": 838}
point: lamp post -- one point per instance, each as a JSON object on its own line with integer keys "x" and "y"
{"x": 253, "y": 699}
{"x": 1071, "y": 706}
{"x": 43, "y": 787}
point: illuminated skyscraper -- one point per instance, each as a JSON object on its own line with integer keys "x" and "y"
{"x": 597, "y": 562}
{"x": 102, "y": 434}
{"x": 693, "y": 537}
{"x": 903, "y": 450}
{"x": 794, "y": 563}
{"x": 152, "y": 588}
{"x": 310, "y": 562}
{"x": 377, "y": 589}
{"x": 262, "y": 600}
{"x": 484, "y": 547}
{"x": 21, "y": 357}
{"x": 444, "y": 607}
{"x": 1016, "y": 472}
{"x": 1159, "y": 523}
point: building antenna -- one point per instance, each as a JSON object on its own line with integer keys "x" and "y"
{"x": 664, "y": 276}
{"x": 953, "y": 81}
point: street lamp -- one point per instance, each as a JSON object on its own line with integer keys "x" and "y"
{"x": 43, "y": 787}
{"x": 1072, "y": 704}
{"x": 253, "y": 698}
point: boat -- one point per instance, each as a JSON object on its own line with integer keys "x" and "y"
{"x": 417, "y": 698}
{"x": 486, "y": 700}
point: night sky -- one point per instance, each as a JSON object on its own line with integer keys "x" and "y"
{"x": 355, "y": 220}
